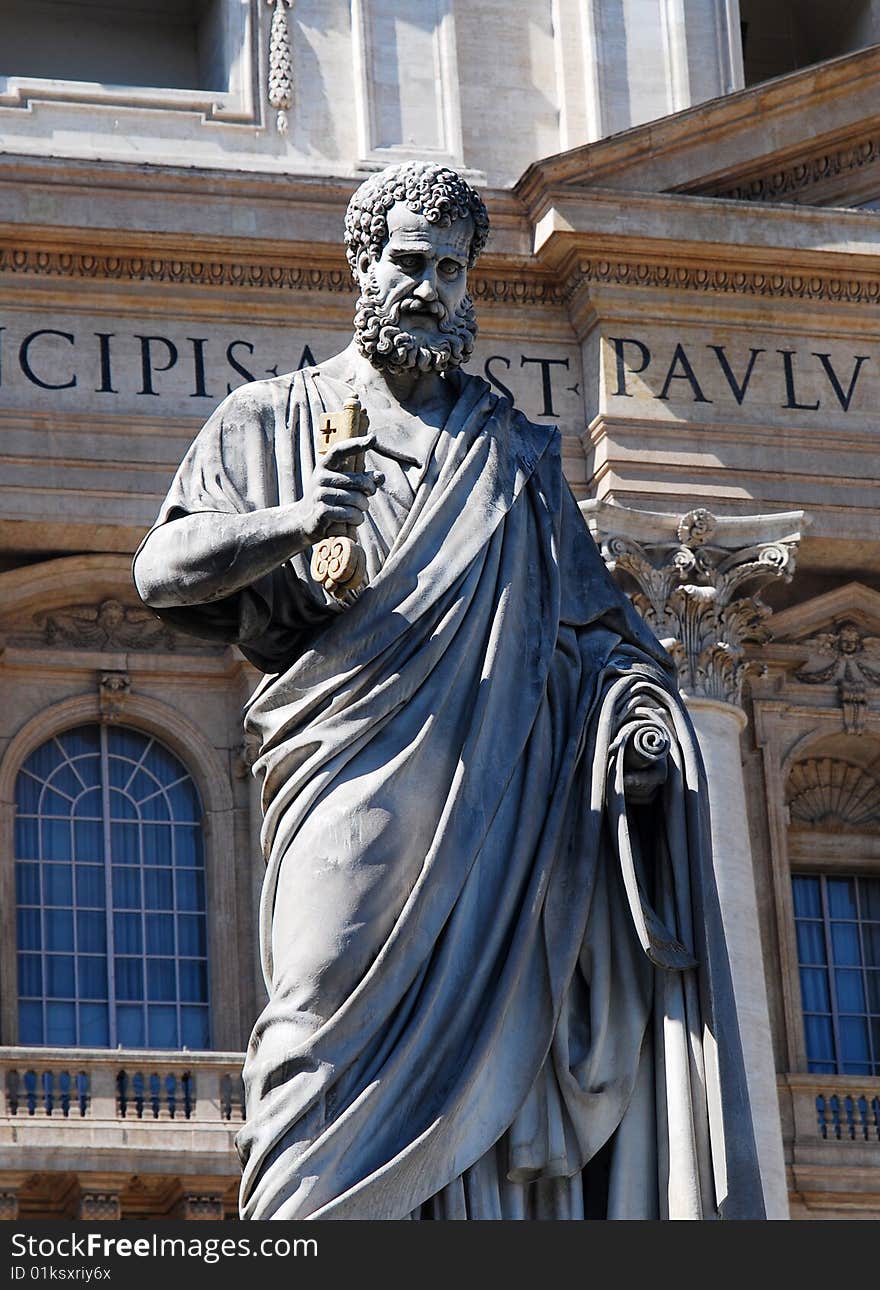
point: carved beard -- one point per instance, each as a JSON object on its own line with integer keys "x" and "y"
{"x": 391, "y": 348}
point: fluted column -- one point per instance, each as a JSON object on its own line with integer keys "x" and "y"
{"x": 696, "y": 579}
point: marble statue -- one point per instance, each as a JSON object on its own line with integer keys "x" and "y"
{"x": 498, "y": 983}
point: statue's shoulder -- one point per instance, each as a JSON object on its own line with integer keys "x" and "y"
{"x": 530, "y": 441}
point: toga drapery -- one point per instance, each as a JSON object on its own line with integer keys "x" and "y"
{"x": 496, "y": 988}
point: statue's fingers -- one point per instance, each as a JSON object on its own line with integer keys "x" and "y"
{"x": 344, "y": 497}
{"x": 365, "y": 482}
{"x": 345, "y": 511}
{"x": 344, "y": 448}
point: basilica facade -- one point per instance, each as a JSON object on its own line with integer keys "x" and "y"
{"x": 683, "y": 274}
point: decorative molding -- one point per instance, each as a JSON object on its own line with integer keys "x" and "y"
{"x": 8, "y": 1205}
{"x": 826, "y": 793}
{"x": 522, "y": 289}
{"x": 854, "y": 668}
{"x": 801, "y": 174}
{"x": 172, "y": 268}
{"x": 280, "y": 84}
{"x": 688, "y": 572}
{"x": 108, "y": 625}
{"x": 519, "y": 289}
{"x": 668, "y": 275}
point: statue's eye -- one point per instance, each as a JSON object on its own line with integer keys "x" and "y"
{"x": 409, "y": 263}
{"x": 450, "y": 268}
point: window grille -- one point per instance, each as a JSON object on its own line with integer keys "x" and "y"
{"x": 110, "y": 889}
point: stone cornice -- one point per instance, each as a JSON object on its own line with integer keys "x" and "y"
{"x": 657, "y": 156}
{"x": 813, "y": 175}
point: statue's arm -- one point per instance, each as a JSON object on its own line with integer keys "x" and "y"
{"x": 207, "y": 555}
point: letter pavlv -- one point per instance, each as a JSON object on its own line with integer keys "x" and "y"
{"x": 496, "y": 972}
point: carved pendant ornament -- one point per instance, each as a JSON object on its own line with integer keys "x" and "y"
{"x": 280, "y": 64}
{"x": 688, "y": 574}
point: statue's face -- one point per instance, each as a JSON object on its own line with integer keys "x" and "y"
{"x": 422, "y": 268}
{"x": 414, "y": 311}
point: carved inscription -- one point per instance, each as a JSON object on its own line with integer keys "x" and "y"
{"x": 800, "y": 380}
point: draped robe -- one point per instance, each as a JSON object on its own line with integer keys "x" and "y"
{"x": 497, "y": 988}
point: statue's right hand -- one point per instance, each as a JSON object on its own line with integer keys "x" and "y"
{"x": 335, "y": 496}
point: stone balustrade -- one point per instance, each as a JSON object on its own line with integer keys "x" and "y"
{"x": 115, "y": 1102}
{"x": 831, "y": 1136}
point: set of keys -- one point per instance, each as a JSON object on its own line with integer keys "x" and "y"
{"x": 338, "y": 561}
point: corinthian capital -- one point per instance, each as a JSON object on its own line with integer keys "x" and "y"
{"x": 696, "y": 580}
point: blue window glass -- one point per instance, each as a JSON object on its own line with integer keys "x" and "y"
{"x": 30, "y": 932}
{"x": 27, "y": 838}
{"x": 162, "y": 1026}
{"x": 61, "y": 1024}
{"x": 160, "y": 934}
{"x": 838, "y": 947}
{"x": 94, "y": 1025}
{"x": 90, "y": 887}
{"x": 30, "y": 1023}
{"x": 195, "y": 1027}
{"x": 27, "y": 884}
{"x": 131, "y": 1027}
{"x": 158, "y": 889}
{"x": 92, "y": 805}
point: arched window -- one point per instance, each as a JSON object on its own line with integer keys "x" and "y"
{"x": 110, "y": 888}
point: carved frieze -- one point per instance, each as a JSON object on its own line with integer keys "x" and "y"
{"x": 108, "y": 625}
{"x": 686, "y": 575}
{"x": 830, "y": 794}
{"x": 723, "y": 280}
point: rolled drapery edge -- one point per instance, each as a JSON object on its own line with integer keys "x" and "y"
{"x": 640, "y": 741}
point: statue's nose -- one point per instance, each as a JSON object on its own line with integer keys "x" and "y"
{"x": 426, "y": 289}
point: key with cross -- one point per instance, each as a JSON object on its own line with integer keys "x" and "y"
{"x": 338, "y": 561}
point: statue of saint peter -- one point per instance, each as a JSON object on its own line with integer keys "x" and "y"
{"x": 497, "y": 977}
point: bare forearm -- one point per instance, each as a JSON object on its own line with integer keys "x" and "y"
{"x": 203, "y": 557}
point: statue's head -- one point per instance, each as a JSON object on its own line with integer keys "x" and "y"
{"x": 411, "y": 234}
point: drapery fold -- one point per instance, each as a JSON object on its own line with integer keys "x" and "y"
{"x": 496, "y": 987}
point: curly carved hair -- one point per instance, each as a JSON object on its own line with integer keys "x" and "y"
{"x": 436, "y": 192}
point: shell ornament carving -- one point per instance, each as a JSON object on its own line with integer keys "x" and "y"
{"x": 825, "y": 793}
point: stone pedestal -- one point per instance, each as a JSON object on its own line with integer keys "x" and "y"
{"x": 686, "y": 575}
